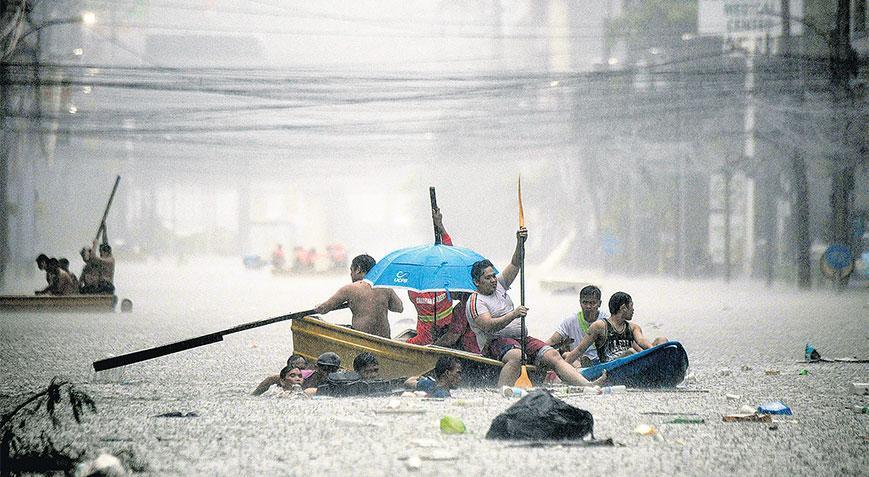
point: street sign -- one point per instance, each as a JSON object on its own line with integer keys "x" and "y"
{"x": 838, "y": 256}
{"x": 837, "y": 262}
{"x": 746, "y": 18}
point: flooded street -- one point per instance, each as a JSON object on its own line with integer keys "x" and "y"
{"x": 707, "y": 157}
{"x": 733, "y": 334}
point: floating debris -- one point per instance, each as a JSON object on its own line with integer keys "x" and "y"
{"x": 178, "y": 414}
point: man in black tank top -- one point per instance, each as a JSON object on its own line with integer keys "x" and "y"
{"x": 615, "y": 337}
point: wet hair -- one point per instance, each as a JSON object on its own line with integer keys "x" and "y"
{"x": 363, "y": 263}
{"x": 295, "y": 357}
{"x": 105, "y": 248}
{"x": 589, "y": 291}
{"x": 444, "y": 364}
{"x": 42, "y": 258}
{"x": 329, "y": 362}
{"x": 286, "y": 370}
{"x": 63, "y": 263}
{"x": 362, "y": 360}
{"x": 478, "y": 267}
{"x": 617, "y": 300}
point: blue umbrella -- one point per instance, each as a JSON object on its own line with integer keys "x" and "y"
{"x": 426, "y": 268}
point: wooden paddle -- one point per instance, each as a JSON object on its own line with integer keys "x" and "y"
{"x": 523, "y": 381}
{"x": 108, "y": 206}
{"x": 434, "y": 206}
{"x": 203, "y": 340}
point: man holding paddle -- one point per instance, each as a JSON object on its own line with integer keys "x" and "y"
{"x": 102, "y": 266}
{"x": 492, "y": 316}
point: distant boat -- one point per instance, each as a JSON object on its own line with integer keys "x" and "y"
{"x": 313, "y": 336}
{"x": 53, "y": 303}
{"x": 562, "y": 287}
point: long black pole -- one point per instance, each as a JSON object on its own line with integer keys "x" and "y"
{"x": 203, "y": 340}
{"x": 434, "y": 206}
{"x": 108, "y": 206}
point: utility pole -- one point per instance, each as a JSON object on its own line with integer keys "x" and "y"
{"x": 799, "y": 176}
{"x": 843, "y": 62}
{"x": 728, "y": 172}
{"x": 5, "y": 145}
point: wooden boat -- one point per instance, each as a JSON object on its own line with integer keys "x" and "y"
{"x": 662, "y": 366}
{"x": 313, "y": 336}
{"x": 52, "y": 303}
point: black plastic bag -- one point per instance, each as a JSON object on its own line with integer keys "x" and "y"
{"x": 540, "y": 415}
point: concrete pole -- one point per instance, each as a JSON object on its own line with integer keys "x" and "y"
{"x": 4, "y": 173}
{"x": 842, "y": 61}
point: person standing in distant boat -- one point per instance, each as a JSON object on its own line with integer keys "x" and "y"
{"x": 279, "y": 258}
{"x": 90, "y": 275}
{"x": 104, "y": 266}
{"x": 370, "y": 306}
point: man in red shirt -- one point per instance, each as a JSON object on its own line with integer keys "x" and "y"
{"x": 450, "y": 325}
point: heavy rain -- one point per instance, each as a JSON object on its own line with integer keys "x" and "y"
{"x": 209, "y": 169}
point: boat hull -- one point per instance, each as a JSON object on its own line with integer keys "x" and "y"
{"x": 58, "y": 304}
{"x": 313, "y": 336}
{"x": 662, "y": 366}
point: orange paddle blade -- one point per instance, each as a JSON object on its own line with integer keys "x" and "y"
{"x": 524, "y": 381}
{"x": 521, "y": 212}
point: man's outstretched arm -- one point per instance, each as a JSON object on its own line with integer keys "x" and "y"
{"x": 583, "y": 345}
{"x": 340, "y": 296}
{"x": 512, "y": 269}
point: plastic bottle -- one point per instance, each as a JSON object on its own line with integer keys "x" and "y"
{"x": 613, "y": 389}
{"x": 604, "y": 390}
{"x": 511, "y": 391}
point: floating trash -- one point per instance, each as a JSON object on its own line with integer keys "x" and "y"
{"x": 775, "y": 407}
{"x": 452, "y": 425}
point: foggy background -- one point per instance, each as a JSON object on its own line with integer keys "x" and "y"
{"x": 685, "y": 139}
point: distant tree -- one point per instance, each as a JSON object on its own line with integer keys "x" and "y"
{"x": 650, "y": 23}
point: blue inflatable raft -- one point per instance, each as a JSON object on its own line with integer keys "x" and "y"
{"x": 663, "y": 366}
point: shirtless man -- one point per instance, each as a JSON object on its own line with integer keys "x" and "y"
{"x": 90, "y": 276}
{"x": 370, "y": 306}
{"x": 615, "y": 337}
{"x": 42, "y": 264}
{"x": 59, "y": 281}
{"x": 64, "y": 265}
{"x": 105, "y": 266}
